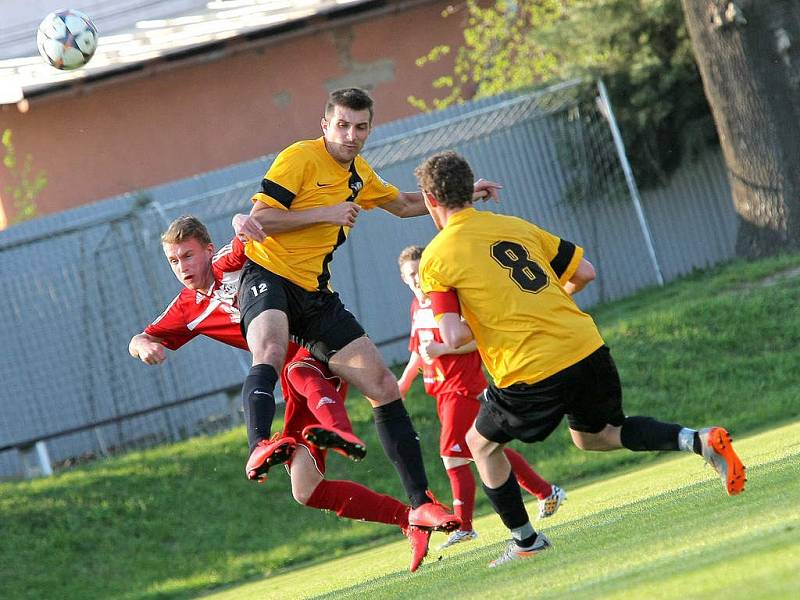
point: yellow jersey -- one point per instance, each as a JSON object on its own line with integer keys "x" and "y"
{"x": 304, "y": 176}
{"x": 509, "y": 276}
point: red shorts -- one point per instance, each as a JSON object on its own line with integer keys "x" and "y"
{"x": 297, "y": 417}
{"x": 457, "y": 414}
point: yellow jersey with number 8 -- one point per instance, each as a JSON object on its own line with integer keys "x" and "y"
{"x": 509, "y": 276}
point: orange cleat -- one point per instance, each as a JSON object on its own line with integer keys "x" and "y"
{"x": 268, "y": 453}
{"x": 719, "y": 453}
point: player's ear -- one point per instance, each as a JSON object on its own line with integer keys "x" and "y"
{"x": 323, "y": 122}
{"x": 427, "y": 197}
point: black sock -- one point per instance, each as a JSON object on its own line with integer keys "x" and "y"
{"x": 697, "y": 445}
{"x": 645, "y": 433}
{"x": 401, "y": 445}
{"x": 259, "y": 402}
{"x": 507, "y": 502}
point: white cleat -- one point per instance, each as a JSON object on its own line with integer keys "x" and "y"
{"x": 459, "y": 536}
{"x": 514, "y": 552}
{"x": 549, "y": 506}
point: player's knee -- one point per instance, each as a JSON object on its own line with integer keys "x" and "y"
{"x": 272, "y": 354}
{"x": 382, "y": 388}
{"x": 302, "y": 493}
{"x": 475, "y": 443}
{"x": 267, "y": 349}
{"x": 580, "y": 442}
{"x": 388, "y": 384}
{"x": 590, "y": 441}
{"x": 453, "y": 462}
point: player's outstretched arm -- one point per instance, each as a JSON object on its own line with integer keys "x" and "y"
{"x": 147, "y": 348}
{"x": 582, "y": 276}
{"x": 411, "y": 204}
{"x": 407, "y": 204}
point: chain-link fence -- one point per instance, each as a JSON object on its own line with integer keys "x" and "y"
{"x": 75, "y": 298}
{"x": 79, "y": 285}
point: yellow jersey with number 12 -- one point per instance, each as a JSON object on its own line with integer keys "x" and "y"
{"x": 509, "y": 276}
{"x": 304, "y": 176}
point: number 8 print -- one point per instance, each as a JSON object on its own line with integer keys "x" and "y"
{"x": 526, "y": 273}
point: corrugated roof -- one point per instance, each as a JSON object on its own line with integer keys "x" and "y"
{"x": 146, "y": 40}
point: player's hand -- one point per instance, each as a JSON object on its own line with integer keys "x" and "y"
{"x": 151, "y": 353}
{"x": 485, "y": 190}
{"x": 247, "y": 228}
{"x": 343, "y": 214}
{"x": 430, "y": 350}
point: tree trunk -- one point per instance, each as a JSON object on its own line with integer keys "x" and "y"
{"x": 748, "y": 53}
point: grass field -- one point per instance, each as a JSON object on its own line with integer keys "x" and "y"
{"x": 664, "y": 531}
{"x": 174, "y": 522}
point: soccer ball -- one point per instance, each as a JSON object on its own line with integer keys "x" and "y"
{"x": 67, "y": 39}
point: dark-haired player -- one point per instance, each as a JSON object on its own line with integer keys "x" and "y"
{"x": 310, "y": 198}
{"x": 454, "y": 376}
{"x": 514, "y": 283}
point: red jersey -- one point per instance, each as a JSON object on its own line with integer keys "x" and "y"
{"x": 215, "y": 314}
{"x": 460, "y": 374}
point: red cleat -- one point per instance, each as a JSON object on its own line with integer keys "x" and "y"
{"x": 268, "y": 453}
{"x": 433, "y": 515}
{"x": 419, "y": 539}
{"x": 344, "y": 443}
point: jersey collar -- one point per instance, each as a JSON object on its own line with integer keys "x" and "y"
{"x": 200, "y": 296}
{"x": 321, "y": 141}
{"x": 461, "y": 215}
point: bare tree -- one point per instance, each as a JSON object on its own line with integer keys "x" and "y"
{"x": 748, "y": 53}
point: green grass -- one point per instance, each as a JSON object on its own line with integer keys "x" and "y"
{"x": 662, "y": 531}
{"x": 177, "y": 521}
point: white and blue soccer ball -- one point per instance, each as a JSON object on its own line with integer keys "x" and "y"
{"x": 67, "y": 39}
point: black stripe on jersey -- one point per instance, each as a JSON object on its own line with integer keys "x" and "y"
{"x": 355, "y": 183}
{"x": 566, "y": 250}
{"x": 280, "y": 193}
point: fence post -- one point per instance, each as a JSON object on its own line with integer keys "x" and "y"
{"x": 608, "y": 112}
{"x": 35, "y": 460}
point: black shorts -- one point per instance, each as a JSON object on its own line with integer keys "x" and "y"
{"x": 589, "y": 393}
{"x": 318, "y": 320}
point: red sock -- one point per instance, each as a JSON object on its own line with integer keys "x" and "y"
{"x": 528, "y": 479}
{"x": 354, "y": 501}
{"x": 462, "y": 483}
{"x": 324, "y": 400}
